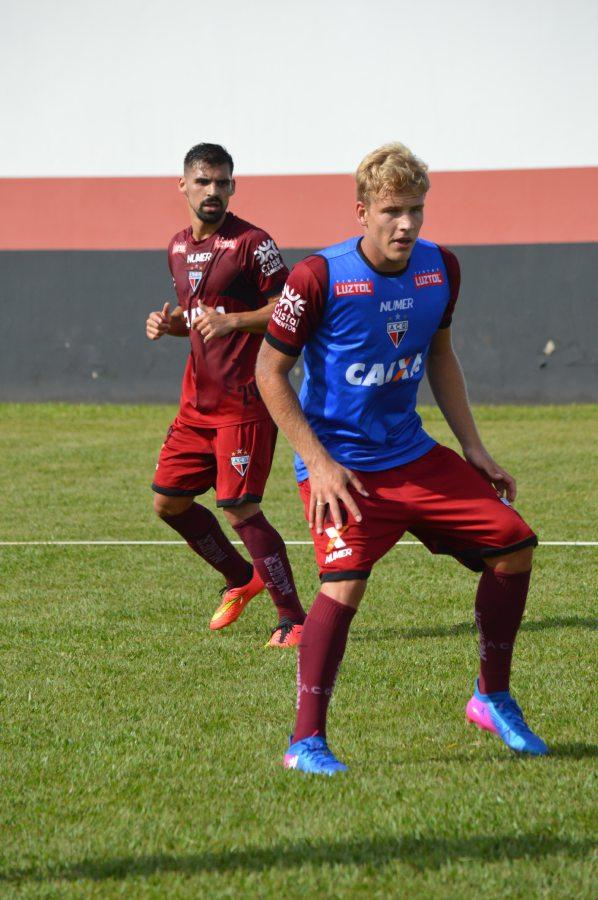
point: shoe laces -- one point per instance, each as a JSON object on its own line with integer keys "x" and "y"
{"x": 285, "y": 627}
{"x": 512, "y": 713}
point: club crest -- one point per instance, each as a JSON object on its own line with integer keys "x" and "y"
{"x": 397, "y": 331}
{"x": 240, "y": 460}
{"x": 194, "y": 279}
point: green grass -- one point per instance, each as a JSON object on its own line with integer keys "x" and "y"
{"x": 140, "y": 752}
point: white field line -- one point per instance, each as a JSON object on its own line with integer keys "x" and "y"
{"x": 239, "y": 543}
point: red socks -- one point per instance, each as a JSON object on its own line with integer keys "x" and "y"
{"x": 321, "y": 651}
{"x": 204, "y": 535}
{"x": 269, "y": 555}
{"x": 499, "y": 607}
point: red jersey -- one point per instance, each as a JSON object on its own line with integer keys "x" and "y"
{"x": 236, "y": 269}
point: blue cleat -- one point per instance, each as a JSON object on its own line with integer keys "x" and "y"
{"x": 312, "y": 755}
{"x": 500, "y": 714}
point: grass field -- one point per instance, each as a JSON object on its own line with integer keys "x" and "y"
{"x": 141, "y": 752}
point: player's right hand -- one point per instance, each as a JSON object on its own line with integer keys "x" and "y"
{"x": 158, "y": 323}
{"x": 329, "y": 483}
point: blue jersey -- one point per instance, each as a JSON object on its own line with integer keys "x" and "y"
{"x": 365, "y": 339}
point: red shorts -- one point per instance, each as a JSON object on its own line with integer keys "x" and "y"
{"x": 235, "y": 459}
{"x": 439, "y": 498}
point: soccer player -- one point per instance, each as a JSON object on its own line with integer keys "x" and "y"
{"x": 227, "y": 276}
{"x": 371, "y": 314}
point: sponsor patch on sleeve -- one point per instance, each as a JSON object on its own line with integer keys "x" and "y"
{"x": 268, "y": 257}
{"x": 288, "y": 310}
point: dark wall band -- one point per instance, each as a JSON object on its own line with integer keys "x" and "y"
{"x": 74, "y": 325}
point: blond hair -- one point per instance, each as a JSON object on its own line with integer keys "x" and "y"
{"x": 391, "y": 169}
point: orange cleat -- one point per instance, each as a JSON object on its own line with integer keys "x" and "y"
{"x": 234, "y": 601}
{"x": 287, "y": 634}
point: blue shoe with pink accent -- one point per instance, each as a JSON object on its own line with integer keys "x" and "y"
{"x": 499, "y": 713}
{"x": 312, "y": 755}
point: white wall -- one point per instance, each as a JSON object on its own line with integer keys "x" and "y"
{"x": 124, "y": 88}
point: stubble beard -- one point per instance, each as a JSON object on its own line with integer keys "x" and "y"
{"x": 210, "y": 216}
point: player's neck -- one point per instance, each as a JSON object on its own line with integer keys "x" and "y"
{"x": 378, "y": 261}
{"x": 202, "y": 230}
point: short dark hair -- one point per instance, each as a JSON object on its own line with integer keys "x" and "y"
{"x": 212, "y": 154}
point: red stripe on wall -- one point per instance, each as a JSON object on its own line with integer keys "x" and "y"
{"x": 534, "y": 206}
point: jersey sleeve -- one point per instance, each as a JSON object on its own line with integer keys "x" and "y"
{"x": 301, "y": 306}
{"x": 267, "y": 270}
{"x": 171, "y": 269}
{"x": 453, "y": 270}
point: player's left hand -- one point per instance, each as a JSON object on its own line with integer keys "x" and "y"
{"x": 211, "y": 323}
{"x": 504, "y": 483}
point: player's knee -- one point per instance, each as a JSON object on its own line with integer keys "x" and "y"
{"x": 165, "y": 507}
{"x": 347, "y": 592}
{"x": 238, "y": 514}
{"x": 512, "y": 563}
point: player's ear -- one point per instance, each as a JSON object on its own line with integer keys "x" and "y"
{"x": 182, "y": 185}
{"x": 233, "y": 186}
{"x": 362, "y": 213}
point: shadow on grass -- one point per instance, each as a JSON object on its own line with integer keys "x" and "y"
{"x": 419, "y": 852}
{"x": 442, "y": 631}
{"x": 574, "y": 751}
{"x": 505, "y": 756}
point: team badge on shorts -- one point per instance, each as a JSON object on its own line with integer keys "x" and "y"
{"x": 397, "y": 331}
{"x": 240, "y": 460}
{"x": 194, "y": 279}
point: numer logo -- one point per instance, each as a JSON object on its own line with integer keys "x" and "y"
{"x": 336, "y": 547}
{"x": 199, "y": 257}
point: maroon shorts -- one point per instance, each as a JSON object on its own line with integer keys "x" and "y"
{"x": 235, "y": 460}
{"x": 439, "y": 498}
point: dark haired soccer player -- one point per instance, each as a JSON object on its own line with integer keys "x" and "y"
{"x": 371, "y": 315}
{"x": 227, "y": 276}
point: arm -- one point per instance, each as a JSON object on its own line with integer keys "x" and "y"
{"x": 166, "y": 322}
{"x": 328, "y": 480}
{"x": 448, "y": 386}
{"x": 214, "y": 324}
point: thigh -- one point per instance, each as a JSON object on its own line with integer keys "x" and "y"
{"x": 186, "y": 464}
{"x": 455, "y": 510}
{"x": 350, "y": 552}
{"x": 244, "y": 456}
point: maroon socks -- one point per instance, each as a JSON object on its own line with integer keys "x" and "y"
{"x": 202, "y": 532}
{"x": 269, "y": 555}
{"x": 321, "y": 651}
{"x": 499, "y": 607}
